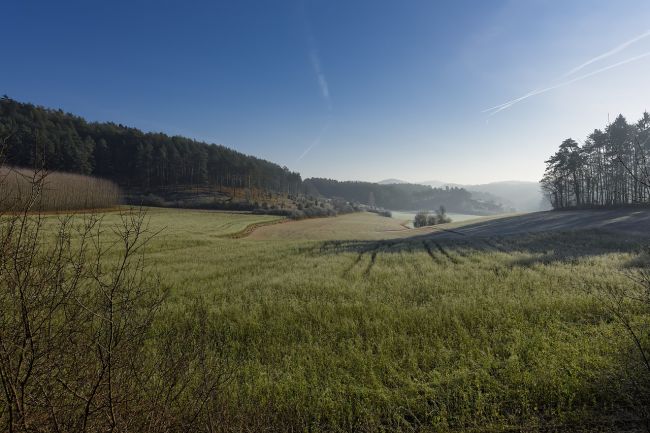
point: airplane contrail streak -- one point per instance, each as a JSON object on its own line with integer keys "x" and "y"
{"x": 496, "y": 109}
{"x": 315, "y": 143}
{"x": 609, "y": 53}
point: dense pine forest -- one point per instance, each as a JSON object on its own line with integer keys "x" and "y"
{"x": 610, "y": 168}
{"x": 129, "y": 156}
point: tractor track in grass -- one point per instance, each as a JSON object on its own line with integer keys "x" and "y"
{"x": 347, "y": 270}
{"x": 445, "y": 253}
{"x": 431, "y": 254}
{"x": 373, "y": 259}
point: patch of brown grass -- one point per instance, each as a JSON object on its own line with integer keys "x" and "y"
{"x": 57, "y": 192}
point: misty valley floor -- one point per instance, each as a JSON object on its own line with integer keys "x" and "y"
{"x": 328, "y": 325}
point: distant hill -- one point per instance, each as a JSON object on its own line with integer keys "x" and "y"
{"x": 402, "y": 196}
{"x": 392, "y": 182}
{"x": 522, "y": 196}
{"x": 438, "y": 183}
{"x": 525, "y": 196}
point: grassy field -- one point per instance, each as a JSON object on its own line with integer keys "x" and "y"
{"x": 360, "y": 226}
{"x": 351, "y": 226}
{"x": 346, "y": 324}
{"x": 196, "y": 226}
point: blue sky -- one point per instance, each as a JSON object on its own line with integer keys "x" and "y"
{"x": 362, "y": 89}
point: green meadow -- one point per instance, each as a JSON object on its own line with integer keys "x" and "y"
{"x": 401, "y": 334}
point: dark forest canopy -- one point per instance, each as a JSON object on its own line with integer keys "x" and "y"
{"x": 129, "y": 156}
{"x": 611, "y": 168}
{"x": 401, "y": 196}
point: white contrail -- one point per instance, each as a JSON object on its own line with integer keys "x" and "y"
{"x": 505, "y": 105}
{"x": 314, "y": 144}
{"x": 609, "y": 53}
{"x": 314, "y": 57}
{"x": 316, "y": 141}
{"x": 320, "y": 76}
{"x": 521, "y": 98}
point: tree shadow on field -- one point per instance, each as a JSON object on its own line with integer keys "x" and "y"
{"x": 628, "y": 221}
{"x": 527, "y": 249}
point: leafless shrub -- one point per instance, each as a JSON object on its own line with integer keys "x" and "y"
{"x": 83, "y": 344}
{"x": 70, "y": 323}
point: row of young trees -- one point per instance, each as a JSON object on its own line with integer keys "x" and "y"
{"x": 129, "y": 156}
{"x": 610, "y": 168}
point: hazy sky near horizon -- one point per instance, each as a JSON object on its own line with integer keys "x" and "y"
{"x": 363, "y": 90}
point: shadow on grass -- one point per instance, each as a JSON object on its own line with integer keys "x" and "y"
{"x": 527, "y": 249}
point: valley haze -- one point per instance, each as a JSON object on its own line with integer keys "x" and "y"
{"x": 519, "y": 196}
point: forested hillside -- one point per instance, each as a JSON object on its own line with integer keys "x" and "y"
{"x": 401, "y": 196}
{"x": 129, "y": 156}
{"x": 160, "y": 169}
{"x": 612, "y": 167}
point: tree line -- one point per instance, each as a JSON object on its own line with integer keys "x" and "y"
{"x": 136, "y": 160}
{"x": 610, "y": 168}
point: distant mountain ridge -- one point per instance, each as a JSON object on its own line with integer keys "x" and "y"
{"x": 517, "y": 195}
{"x": 392, "y": 182}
